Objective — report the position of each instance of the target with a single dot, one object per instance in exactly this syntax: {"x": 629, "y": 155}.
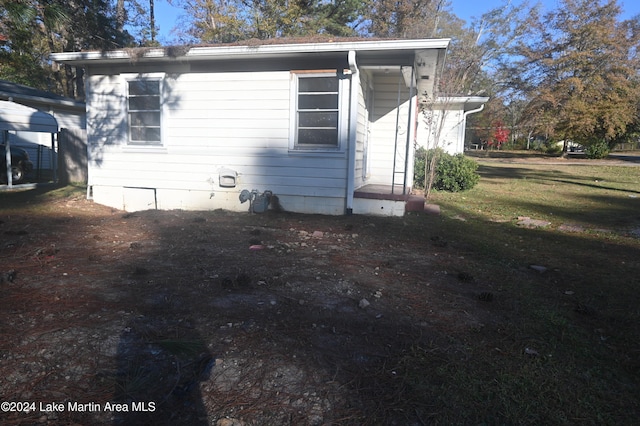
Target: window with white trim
{"x": 144, "y": 111}
{"x": 317, "y": 111}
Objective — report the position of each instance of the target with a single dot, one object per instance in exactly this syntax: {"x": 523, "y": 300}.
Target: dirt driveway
{"x": 219, "y": 318}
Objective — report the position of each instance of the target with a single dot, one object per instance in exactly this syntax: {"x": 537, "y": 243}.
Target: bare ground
{"x": 224, "y": 318}
{"x": 219, "y": 318}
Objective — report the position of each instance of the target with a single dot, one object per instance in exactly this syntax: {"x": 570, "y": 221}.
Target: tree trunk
{"x": 69, "y": 81}
{"x": 120, "y": 15}
{"x": 152, "y": 19}
{"x": 80, "y": 94}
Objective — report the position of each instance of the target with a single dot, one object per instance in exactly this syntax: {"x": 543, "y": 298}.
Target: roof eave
{"x": 229, "y": 52}
{"x": 467, "y": 102}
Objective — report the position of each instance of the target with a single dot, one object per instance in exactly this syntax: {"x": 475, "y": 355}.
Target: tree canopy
{"x": 579, "y": 72}
{"x": 222, "y": 21}
{"x": 35, "y": 28}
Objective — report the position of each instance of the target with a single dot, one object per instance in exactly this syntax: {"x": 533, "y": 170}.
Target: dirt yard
{"x": 219, "y": 318}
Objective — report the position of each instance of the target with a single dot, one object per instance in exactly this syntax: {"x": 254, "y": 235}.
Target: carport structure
{"x": 20, "y": 118}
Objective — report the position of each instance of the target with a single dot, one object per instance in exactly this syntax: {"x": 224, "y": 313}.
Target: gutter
{"x": 353, "y": 129}
{"x": 464, "y": 121}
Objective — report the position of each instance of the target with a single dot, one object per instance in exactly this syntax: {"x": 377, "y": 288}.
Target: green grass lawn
{"x": 564, "y": 345}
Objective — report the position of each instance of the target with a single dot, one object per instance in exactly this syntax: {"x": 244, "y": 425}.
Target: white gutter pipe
{"x": 409, "y": 135}
{"x": 464, "y": 121}
{"x": 353, "y": 130}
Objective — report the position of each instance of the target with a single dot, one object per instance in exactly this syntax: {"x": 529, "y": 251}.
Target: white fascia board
{"x": 225, "y": 52}
{"x": 462, "y": 99}
{"x": 463, "y": 102}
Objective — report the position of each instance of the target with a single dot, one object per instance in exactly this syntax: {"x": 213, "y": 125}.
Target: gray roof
{"x": 29, "y": 95}
{"x": 424, "y": 56}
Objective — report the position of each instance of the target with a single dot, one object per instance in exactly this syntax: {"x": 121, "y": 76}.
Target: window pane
{"x": 144, "y": 119}
{"x": 144, "y": 87}
{"x": 318, "y": 101}
{"x": 145, "y": 134}
{"x": 152, "y": 134}
{"x": 137, "y": 134}
{"x": 144, "y": 112}
{"x": 318, "y": 119}
{"x": 318, "y": 84}
{"x": 144, "y": 103}
{"x": 318, "y": 137}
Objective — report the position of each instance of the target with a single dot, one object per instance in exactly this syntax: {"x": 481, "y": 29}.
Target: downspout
{"x": 409, "y": 134}
{"x": 353, "y": 130}
{"x": 464, "y": 122}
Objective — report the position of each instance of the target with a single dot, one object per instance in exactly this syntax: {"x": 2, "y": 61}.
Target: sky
{"x": 166, "y": 15}
{"x": 466, "y": 9}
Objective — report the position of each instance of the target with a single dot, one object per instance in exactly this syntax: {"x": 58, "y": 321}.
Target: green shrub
{"x": 552, "y": 147}
{"x": 454, "y": 173}
{"x": 418, "y": 167}
{"x": 518, "y": 144}
{"x": 597, "y": 149}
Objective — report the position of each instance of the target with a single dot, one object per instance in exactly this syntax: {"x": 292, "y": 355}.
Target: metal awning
{"x": 20, "y": 118}
{"x": 16, "y": 117}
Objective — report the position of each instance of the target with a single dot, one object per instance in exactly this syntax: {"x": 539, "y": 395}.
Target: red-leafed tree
{"x": 500, "y": 134}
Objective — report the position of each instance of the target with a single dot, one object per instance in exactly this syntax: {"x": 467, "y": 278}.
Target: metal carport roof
{"x": 16, "y": 117}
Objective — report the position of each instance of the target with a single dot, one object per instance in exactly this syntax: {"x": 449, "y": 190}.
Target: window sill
{"x": 317, "y": 152}
{"x": 156, "y": 149}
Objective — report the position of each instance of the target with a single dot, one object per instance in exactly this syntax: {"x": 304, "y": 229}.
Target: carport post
{"x": 7, "y": 158}
{"x": 54, "y": 159}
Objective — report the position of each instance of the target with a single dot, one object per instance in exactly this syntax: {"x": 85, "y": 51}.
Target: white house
{"x": 326, "y": 127}
{"x": 443, "y": 123}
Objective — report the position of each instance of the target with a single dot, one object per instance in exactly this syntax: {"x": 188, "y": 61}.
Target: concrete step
{"x": 415, "y": 203}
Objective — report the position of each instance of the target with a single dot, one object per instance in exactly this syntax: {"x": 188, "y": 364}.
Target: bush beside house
{"x": 454, "y": 173}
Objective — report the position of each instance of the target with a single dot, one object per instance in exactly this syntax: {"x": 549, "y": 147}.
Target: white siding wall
{"x": 449, "y": 125}
{"x": 233, "y": 120}
{"x": 384, "y": 122}
{"x": 69, "y": 119}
